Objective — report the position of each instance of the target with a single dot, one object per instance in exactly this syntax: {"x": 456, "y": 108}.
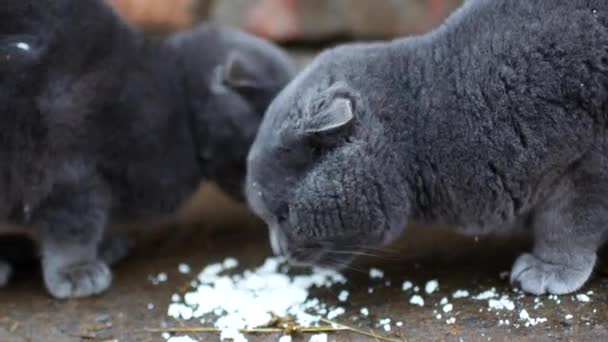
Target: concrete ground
{"x": 134, "y": 303}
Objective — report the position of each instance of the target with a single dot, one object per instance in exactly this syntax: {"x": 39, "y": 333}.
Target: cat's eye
{"x": 20, "y": 49}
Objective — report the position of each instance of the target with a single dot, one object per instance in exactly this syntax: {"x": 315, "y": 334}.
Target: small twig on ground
{"x": 361, "y": 332}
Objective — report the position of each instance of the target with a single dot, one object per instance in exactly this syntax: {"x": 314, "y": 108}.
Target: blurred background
{"x": 294, "y": 21}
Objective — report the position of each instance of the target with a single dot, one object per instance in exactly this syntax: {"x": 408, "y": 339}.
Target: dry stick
{"x": 302, "y": 330}
{"x": 361, "y": 332}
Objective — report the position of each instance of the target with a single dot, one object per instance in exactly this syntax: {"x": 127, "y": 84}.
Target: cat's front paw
{"x": 538, "y": 277}
{"x": 6, "y": 270}
{"x": 79, "y": 280}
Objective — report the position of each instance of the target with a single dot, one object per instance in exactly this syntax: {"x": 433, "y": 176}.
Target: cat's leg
{"x": 6, "y": 270}
{"x": 114, "y": 249}
{"x": 568, "y": 231}
{"x": 71, "y": 224}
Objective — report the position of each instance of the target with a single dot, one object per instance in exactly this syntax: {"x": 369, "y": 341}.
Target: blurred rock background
{"x": 293, "y": 21}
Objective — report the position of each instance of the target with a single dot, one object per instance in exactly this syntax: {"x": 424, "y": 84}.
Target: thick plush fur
{"x": 101, "y": 125}
{"x": 495, "y": 120}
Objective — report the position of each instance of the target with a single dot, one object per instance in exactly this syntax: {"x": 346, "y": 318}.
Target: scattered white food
{"x": 486, "y": 294}
{"x": 443, "y": 301}
{"x": 501, "y": 304}
{"x": 318, "y": 338}
{"x": 249, "y": 299}
{"x": 460, "y": 294}
{"x": 417, "y": 300}
{"x": 335, "y": 313}
{"x": 407, "y": 285}
{"x": 285, "y": 338}
{"x": 568, "y": 317}
{"x": 376, "y": 273}
{"x": 183, "y": 268}
{"x": 159, "y": 278}
{"x": 399, "y": 324}
{"x": 416, "y": 289}
{"x": 583, "y": 298}
{"x": 447, "y": 308}
{"x": 233, "y": 335}
{"x": 523, "y": 314}
{"x": 364, "y": 312}
{"x": 451, "y": 320}
{"x": 343, "y": 296}
{"x": 431, "y": 286}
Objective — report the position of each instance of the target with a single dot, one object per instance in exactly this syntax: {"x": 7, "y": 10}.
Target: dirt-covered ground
{"x": 135, "y": 303}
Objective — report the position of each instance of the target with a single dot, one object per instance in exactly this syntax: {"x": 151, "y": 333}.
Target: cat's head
{"x": 232, "y": 78}
{"x": 318, "y": 172}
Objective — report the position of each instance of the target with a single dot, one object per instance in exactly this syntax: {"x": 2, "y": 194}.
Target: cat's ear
{"x": 236, "y": 72}
{"x": 336, "y": 115}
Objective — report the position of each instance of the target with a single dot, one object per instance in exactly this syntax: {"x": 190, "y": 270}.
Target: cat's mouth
{"x": 321, "y": 254}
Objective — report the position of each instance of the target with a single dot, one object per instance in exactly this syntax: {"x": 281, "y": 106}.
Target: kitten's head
{"x": 317, "y": 171}
{"x": 233, "y": 76}
{"x": 38, "y": 37}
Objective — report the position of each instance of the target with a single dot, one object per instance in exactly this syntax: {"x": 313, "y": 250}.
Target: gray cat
{"x": 102, "y": 125}
{"x": 496, "y": 119}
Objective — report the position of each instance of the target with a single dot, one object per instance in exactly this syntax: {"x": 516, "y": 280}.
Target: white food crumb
{"x": 447, "y": 308}
{"x": 370, "y": 290}
{"x": 150, "y": 306}
{"x": 486, "y": 294}
{"x": 460, "y": 294}
{"x": 166, "y": 335}
{"x": 175, "y": 298}
{"x": 406, "y": 285}
{"x": 364, "y": 311}
{"x": 384, "y": 321}
{"x": 387, "y": 327}
{"x": 568, "y": 316}
{"x": 431, "y": 286}
{"x": 443, "y": 301}
{"x": 318, "y": 338}
{"x": 417, "y": 300}
{"x": 285, "y": 338}
{"x": 451, "y": 320}
{"x": 439, "y": 316}
{"x": 232, "y": 334}
{"x": 335, "y": 313}
{"x": 230, "y": 263}
{"x": 416, "y": 289}
{"x": 183, "y": 268}
{"x": 501, "y": 304}
{"x": 399, "y": 324}
{"x": 523, "y": 314}
{"x": 583, "y": 298}
{"x": 375, "y": 273}
{"x": 343, "y": 296}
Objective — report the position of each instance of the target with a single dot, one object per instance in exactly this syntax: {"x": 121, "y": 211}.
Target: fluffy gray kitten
{"x": 495, "y": 120}
{"x": 102, "y": 125}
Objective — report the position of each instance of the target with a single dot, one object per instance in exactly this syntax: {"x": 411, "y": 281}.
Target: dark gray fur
{"x": 496, "y": 119}
{"x": 101, "y": 125}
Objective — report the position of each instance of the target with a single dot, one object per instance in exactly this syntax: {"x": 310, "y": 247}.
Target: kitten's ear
{"x": 237, "y": 72}
{"x": 337, "y": 114}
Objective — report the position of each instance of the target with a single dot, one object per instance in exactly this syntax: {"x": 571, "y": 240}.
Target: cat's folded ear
{"x": 336, "y": 115}
{"x": 236, "y": 73}
{"x": 337, "y": 111}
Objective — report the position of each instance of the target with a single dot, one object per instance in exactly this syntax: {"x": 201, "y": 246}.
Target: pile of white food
{"x": 250, "y": 299}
